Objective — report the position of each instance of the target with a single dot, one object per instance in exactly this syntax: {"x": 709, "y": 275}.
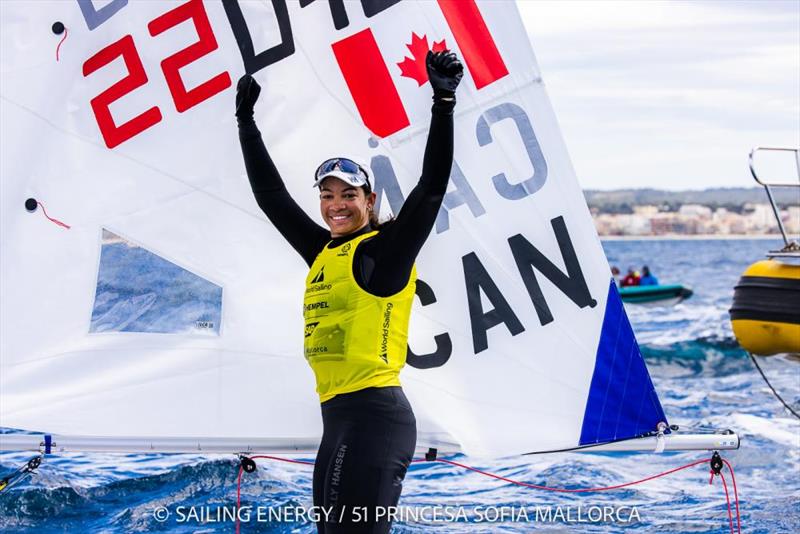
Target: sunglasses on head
{"x": 343, "y": 165}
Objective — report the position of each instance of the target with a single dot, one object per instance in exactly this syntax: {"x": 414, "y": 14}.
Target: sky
{"x": 671, "y": 95}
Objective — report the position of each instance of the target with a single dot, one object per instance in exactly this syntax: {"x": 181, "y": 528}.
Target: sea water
{"x": 703, "y": 378}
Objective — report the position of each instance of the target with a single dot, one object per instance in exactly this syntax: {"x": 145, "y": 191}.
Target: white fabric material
{"x": 179, "y": 189}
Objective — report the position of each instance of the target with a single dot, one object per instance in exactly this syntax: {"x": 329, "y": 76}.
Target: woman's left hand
{"x": 444, "y": 72}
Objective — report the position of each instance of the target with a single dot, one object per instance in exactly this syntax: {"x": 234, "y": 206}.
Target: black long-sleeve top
{"x": 383, "y": 263}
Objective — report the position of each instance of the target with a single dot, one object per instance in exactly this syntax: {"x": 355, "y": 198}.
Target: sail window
{"x": 139, "y": 291}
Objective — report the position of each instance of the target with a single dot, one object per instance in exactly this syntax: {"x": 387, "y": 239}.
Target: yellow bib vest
{"x": 353, "y": 340}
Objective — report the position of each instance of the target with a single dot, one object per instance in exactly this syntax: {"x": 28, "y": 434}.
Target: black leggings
{"x": 368, "y": 440}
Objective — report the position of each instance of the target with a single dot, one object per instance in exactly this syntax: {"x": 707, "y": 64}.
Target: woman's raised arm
{"x": 302, "y": 233}
{"x": 391, "y": 255}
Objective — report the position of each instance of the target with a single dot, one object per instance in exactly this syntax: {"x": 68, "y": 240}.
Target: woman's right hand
{"x": 247, "y": 91}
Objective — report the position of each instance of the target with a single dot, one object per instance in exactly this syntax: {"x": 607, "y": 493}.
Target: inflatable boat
{"x": 662, "y": 295}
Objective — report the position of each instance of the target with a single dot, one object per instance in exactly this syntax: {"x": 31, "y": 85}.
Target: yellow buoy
{"x": 765, "y": 314}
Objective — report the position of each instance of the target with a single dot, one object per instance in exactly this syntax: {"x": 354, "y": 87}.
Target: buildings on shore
{"x": 696, "y": 219}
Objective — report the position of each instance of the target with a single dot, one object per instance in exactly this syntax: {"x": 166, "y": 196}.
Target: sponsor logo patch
{"x": 319, "y": 277}
{"x": 310, "y": 327}
{"x": 345, "y": 249}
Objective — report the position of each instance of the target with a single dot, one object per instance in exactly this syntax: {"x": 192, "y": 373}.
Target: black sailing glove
{"x": 444, "y": 73}
{"x": 247, "y": 91}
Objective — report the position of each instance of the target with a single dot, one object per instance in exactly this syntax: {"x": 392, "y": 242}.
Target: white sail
{"x": 170, "y": 307}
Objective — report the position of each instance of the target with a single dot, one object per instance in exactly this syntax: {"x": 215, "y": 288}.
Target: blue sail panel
{"x": 622, "y": 401}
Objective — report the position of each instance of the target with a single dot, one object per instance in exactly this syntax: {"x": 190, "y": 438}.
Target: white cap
{"x": 356, "y": 179}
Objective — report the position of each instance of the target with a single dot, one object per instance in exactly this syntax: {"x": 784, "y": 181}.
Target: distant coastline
{"x": 731, "y": 198}
{"x": 707, "y": 214}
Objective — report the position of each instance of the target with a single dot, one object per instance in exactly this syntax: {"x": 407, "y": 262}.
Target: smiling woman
{"x": 346, "y": 199}
{"x": 357, "y": 306}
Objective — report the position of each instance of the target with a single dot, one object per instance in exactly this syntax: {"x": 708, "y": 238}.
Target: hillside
{"x": 731, "y": 198}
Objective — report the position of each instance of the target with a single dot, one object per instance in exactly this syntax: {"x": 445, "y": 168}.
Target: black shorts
{"x": 368, "y": 441}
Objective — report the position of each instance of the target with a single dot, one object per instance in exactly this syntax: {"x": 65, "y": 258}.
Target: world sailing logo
{"x": 319, "y": 277}
{"x": 387, "y": 318}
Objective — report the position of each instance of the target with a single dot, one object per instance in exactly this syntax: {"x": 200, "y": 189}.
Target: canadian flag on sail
{"x": 366, "y": 70}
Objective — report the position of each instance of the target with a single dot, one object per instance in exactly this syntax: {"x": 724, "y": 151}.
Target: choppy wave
{"x": 712, "y": 356}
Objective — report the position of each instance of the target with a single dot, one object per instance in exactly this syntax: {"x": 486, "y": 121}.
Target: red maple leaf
{"x": 414, "y": 67}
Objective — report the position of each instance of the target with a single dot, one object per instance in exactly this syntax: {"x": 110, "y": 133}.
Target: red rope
{"x": 62, "y": 40}
{"x": 735, "y": 497}
{"x": 283, "y": 459}
{"x": 576, "y": 490}
{"x": 728, "y": 500}
{"x": 546, "y": 488}
{"x": 239, "y": 479}
{"x": 52, "y": 219}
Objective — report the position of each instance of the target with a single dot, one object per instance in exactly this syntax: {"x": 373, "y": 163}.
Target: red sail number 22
{"x": 184, "y": 99}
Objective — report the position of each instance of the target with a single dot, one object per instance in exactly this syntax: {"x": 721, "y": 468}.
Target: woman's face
{"x": 344, "y": 208}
